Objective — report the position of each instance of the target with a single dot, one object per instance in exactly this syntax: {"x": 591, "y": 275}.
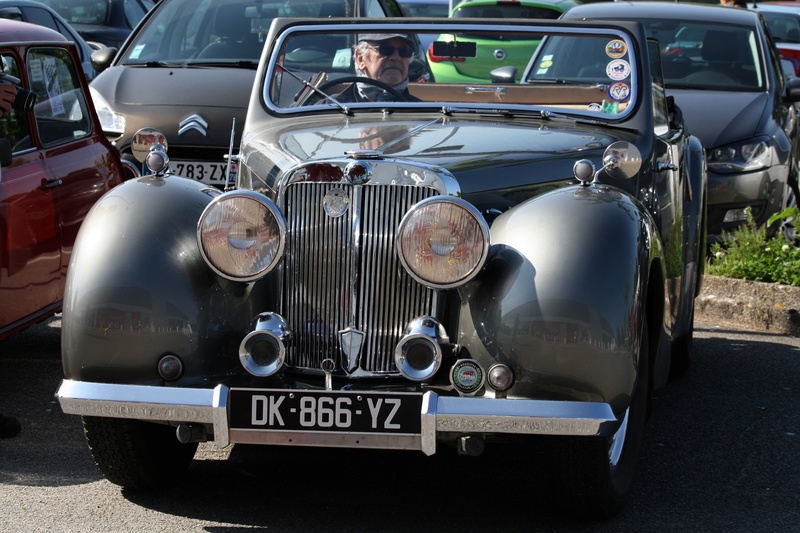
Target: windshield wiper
{"x": 535, "y": 113}
{"x": 155, "y": 64}
{"x": 312, "y": 87}
{"x": 241, "y": 63}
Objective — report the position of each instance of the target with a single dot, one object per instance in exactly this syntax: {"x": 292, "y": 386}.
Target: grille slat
{"x": 319, "y": 297}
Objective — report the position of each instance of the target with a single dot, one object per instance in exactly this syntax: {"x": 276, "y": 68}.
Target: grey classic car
{"x": 429, "y": 266}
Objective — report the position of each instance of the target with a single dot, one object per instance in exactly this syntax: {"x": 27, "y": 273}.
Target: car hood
{"x": 519, "y": 158}
{"x": 718, "y": 118}
{"x": 163, "y": 97}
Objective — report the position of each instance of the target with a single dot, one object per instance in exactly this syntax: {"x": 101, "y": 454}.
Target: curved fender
{"x": 696, "y": 227}
{"x": 562, "y": 297}
{"x": 138, "y": 288}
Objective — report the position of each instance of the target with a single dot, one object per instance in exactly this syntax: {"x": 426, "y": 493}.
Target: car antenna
{"x": 229, "y": 185}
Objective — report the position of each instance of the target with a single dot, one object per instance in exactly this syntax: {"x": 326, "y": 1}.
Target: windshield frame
{"x": 270, "y": 70}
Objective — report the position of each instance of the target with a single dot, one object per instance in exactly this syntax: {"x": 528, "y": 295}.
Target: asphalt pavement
{"x": 721, "y": 453}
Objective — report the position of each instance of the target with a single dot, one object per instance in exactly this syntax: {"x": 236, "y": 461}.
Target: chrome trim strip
{"x": 440, "y": 414}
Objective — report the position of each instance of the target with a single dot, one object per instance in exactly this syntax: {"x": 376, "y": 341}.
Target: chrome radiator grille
{"x": 344, "y": 273}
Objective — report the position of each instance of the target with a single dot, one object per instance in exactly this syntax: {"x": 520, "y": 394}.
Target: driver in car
{"x": 385, "y": 58}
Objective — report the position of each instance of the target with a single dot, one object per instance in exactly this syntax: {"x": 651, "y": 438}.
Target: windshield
{"x": 343, "y": 69}
{"x": 187, "y": 32}
{"x": 700, "y": 55}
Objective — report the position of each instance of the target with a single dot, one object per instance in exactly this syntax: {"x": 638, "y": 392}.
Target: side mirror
{"x": 504, "y": 75}
{"x": 101, "y": 59}
{"x": 792, "y": 90}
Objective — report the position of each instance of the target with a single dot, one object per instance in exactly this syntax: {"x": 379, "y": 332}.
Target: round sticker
{"x": 545, "y": 64}
{"x": 616, "y": 48}
{"x": 619, "y": 91}
{"x": 618, "y": 69}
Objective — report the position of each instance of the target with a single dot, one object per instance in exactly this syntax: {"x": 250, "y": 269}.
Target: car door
{"x": 30, "y": 236}
{"x": 60, "y": 166}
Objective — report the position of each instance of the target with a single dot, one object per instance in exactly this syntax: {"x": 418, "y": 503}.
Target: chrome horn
{"x": 418, "y": 355}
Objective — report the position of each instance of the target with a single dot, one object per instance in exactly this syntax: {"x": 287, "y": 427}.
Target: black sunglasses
{"x": 388, "y": 50}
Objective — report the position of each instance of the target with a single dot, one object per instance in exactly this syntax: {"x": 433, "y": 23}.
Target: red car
{"x": 55, "y": 164}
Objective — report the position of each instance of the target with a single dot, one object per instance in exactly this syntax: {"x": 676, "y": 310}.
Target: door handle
{"x": 50, "y": 184}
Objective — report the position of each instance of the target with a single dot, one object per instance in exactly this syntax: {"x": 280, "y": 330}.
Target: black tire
{"x": 589, "y": 483}
{"x": 681, "y": 357}
{"x": 137, "y": 455}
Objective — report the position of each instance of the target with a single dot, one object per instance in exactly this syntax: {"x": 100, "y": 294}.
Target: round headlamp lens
{"x": 241, "y": 235}
{"x": 443, "y": 242}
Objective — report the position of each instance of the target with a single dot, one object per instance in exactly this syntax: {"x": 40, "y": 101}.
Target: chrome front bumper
{"x": 439, "y": 414}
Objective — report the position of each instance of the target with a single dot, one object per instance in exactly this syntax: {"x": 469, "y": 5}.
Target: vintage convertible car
{"x": 486, "y": 264}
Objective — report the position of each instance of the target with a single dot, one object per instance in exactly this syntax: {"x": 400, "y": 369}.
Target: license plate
{"x": 326, "y": 411}
{"x": 210, "y": 173}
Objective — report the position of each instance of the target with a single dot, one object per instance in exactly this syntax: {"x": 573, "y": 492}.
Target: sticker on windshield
{"x": 53, "y": 86}
{"x": 545, "y": 64}
{"x": 618, "y": 69}
{"x": 616, "y": 49}
{"x": 619, "y": 91}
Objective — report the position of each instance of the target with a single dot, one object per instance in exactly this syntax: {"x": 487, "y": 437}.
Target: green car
{"x": 485, "y": 55}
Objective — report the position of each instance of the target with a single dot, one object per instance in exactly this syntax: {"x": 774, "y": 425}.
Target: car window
{"x": 660, "y": 112}
{"x": 14, "y": 124}
{"x": 80, "y": 11}
{"x": 37, "y": 15}
{"x": 185, "y": 32}
{"x": 785, "y": 27}
{"x": 135, "y": 10}
{"x": 61, "y": 112}
{"x": 506, "y": 10}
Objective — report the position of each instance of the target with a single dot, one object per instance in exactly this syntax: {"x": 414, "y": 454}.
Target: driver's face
{"x": 388, "y": 69}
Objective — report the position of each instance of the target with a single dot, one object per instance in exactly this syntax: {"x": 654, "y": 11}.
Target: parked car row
{"x": 722, "y": 67}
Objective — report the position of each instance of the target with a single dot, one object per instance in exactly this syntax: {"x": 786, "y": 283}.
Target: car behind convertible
{"x": 486, "y": 264}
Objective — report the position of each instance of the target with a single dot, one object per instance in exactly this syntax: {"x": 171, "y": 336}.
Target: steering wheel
{"x": 361, "y": 79}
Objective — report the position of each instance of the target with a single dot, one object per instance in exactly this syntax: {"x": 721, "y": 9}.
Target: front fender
{"x": 562, "y": 299}
{"x": 138, "y": 288}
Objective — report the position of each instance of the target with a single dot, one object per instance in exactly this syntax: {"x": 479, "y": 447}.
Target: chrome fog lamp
{"x": 443, "y": 242}
{"x": 241, "y": 235}
{"x": 263, "y": 350}
{"x": 501, "y": 377}
{"x": 418, "y": 355}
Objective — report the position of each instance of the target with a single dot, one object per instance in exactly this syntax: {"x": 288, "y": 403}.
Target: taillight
{"x": 438, "y": 59}
{"x": 793, "y": 56}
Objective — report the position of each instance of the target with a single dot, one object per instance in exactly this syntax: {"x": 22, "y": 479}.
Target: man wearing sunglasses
{"x": 382, "y": 57}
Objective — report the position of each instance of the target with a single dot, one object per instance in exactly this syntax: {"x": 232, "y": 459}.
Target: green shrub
{"x": 748, "y": 253}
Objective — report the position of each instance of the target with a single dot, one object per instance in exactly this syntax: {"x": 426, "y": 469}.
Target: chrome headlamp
{"x": 241, "y": 235}
{"x": 443, "y": 242}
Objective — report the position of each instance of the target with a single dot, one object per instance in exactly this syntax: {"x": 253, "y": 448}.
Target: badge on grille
{"x": 351, "y": 341}
{"x": 335, "y": 202}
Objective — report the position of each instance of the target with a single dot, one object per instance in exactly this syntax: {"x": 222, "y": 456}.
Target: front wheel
{"x": 136, "y": 454}
{"x": 593, "y": 476}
